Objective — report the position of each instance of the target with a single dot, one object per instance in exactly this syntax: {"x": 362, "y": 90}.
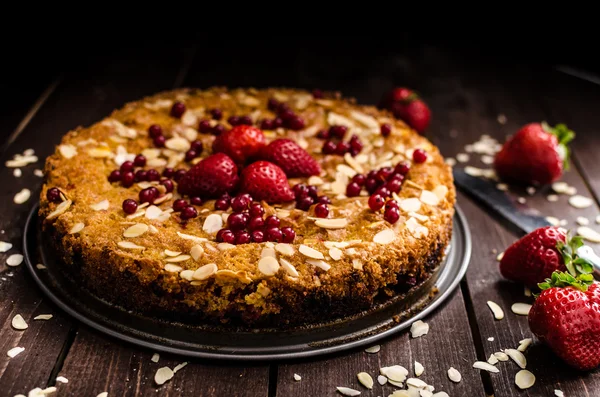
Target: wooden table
{"x": 466, "y": 95}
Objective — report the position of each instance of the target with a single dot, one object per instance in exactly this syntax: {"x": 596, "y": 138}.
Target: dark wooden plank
{"x": 80, "y": 100}
{"x": 448, "y": 344}
{"x": 469, "y": 105}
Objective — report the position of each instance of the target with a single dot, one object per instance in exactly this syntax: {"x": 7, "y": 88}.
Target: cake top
{"x": 244, "y": 183}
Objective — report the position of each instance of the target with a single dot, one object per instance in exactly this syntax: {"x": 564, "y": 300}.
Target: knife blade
{"x": 485, "y": 191}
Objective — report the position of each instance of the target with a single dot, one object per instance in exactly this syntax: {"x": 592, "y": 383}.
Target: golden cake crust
{"x": 179, "y": 270}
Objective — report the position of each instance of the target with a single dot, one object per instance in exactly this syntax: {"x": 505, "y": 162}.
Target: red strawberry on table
{"x": 291, "y": 158}
{"x": 266, "y": 181}
{"x": 406, "y": 105}
{"x": 241, "y": 143}
{"x": 537, "y": 154}
{"x": 566, "y": 316}
{"x": 210, "y": 178}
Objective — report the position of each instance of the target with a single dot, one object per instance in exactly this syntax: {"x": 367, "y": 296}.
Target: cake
{"x": 247, "y": 207}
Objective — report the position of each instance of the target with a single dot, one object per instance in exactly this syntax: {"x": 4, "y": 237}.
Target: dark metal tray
{"x": 363, "y": 329}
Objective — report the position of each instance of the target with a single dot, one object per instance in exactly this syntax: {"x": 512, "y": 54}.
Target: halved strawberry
{"x": 210, "y": 178}
{"x": 266, "y": 181}
{"x": 241, "y": 143}
{"x": 291, "y": 158}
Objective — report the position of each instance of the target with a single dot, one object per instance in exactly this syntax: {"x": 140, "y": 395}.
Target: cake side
{"x": 179, "y": 267}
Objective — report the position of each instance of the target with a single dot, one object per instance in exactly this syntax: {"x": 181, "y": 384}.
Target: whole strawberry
{"x": 406, "y": 105}
{"x": 210, "y": 178}
{"x": 241, "y": 143}
{"x": 291, "y": 158}
{"x": 266, "y": 181}
{"x": 566, "y": 316}
{"x": 534, "y": 257}
{"x": 536, "y": 155}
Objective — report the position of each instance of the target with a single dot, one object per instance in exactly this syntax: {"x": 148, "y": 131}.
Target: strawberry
{"x": 210, "y": 178}
{"x": 266, "y": 181}
{"x": 536, "y": 155}
{"x": 241, "y": 143}
{"x": 406, "y": 105}
{"x": 566, "y": 316}
{"x": 291, "y": 158}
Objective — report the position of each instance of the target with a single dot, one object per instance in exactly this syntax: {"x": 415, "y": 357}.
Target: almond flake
{"x": 485, "y": 366}
{"x": 100, "y": 152}
{"x": 187, "y": 275}
{"x": 462, "y": 157}
{"x": 310, "y": 252}
{"x": 473, "y": 171}
{"x": 12, "y": 353}
{"x": 355, "y": 165}
{"x": 196, "y": 251}
{"x": 419, "y": 328}
{"x": 43, "y": 317}
{"x": 521, "y": 309}
{"x": 157, "y": 163}
{"x": 268, "y": 251}
{"x": 527, "y": 292}
{"x": 335, "y": 253}
{"x": 172, "y": 253}
{"x": 319, "y": 263}
{"x": 62, "y": 379}
{"x": 129, "y": 245}
{"x": 396, "y": 373}
{"x": 22, "y": 196}
{"x": 335, "y": 223}
{"x": 560, "y": 187}
{"x": 440, "y": 191}
{"x": 285, "y": 249}
{"x": 268, "y": 266}
{"x": 204, "y": 272}
{"x": 501, "y": 356}
{"x": 419, "y": 369}
{"x": 14, "y": 260}
{"x": 382, "y": 380}
{"x": 416, "y": 383}
{"x": 136, "y": 214}
{"x": 497, "y": 310}
{"x": 429, "y": 198}
{"x": 315, "y": 180}
{"x": 559, "y": 393}
{"x": 588, "y": 234}
{"x": 357, "y": 264}
{"x": 189, "y": 118}
{"x": 373, "y": 349}
{"x": 60, "y": 209}
{"x": 454, "y": 375}
{"x": 39, "y": 266}
{"x": 289, "y": 268}
{"x": 77, "y": 228}
{"x": 67, "y": 151}
{"x": 179, "y": 367}
{"x": 297, "y": 378}
{"x": 410, "y": 205}
{"x": 179, "y": 258}
{"x": 524, "y": 379}
{"x": 524, "y": 344}
{"x": 493, "y": 359}
{"x": 338, "y": 119}
{"x": 212, "y": 224}
{"x": 366, "y": 120}
{"x": 18, "y": 322}
{"x": 169, "y": 267}
{"x": 136, "y": 230}
{"x": 178, "y": 144}
{"x": 101, "y": 206}
{"x": 163, "y": 198}
{"x": 517, "y": 357}
{"x": 192, "y": 238}
{"x": 582, "y": 221}
{"x": 500, "y": 256}
{"x": 225, "y": 246}
{"x": 155, "y": 358}
{"x": 422, "y": 218}
{"x": 162, "y": 375}
{"x": 502, "y": 186}
{"x": 384, "y": 237}
{"x": 344, "y": 169}
{"x": 4, "y": 246}
{"x": 346, "y": 391}
{"x": 365, "y": 379}
{"x": 579, "y": 201}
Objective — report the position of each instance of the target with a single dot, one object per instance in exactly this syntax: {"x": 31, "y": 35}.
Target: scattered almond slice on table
{"x": 4, "y": 246}
{"x": 418, "y": 329}
{"x": 517, "y": 357}
{"x": 373, "y": 349}
{"x": 346, "y": 391}
{"x": 521, "y": 309}
{"x": 365, "y": 379}
{"x": 162, "y": 375}
{"x": 496, "y": 310}
{"x": 297, "y": 377}
{"x": 18, "y": 322}
{"x": 14, "y": 260}
{"x": 454, "y": 375}
{"x": 486, "y": 366}
{"x": 524, "y": 379}
{"x": 22, "y": 196}
{"x": 12, "y": 353}
{"x": 43, "y": 317}
{"x": 580, "y": 202}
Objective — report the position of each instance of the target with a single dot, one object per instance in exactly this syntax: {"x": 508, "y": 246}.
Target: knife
{"x": 526, "y": 219}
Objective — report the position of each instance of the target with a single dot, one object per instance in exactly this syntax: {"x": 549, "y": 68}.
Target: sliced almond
{"x": 429, "y": 198}
{"x": 191, "y": 237}
{"x": 268, "y": 266}
{"x": 136, "y": 230}
{"x": 172, "y": 253}
{"x": 319, "y": 263}
{"x": 178, "y": 144}
{"x": 492, "y": 359}
{"x": 332, "y": 223}
{"x": 18, "y": 322}
{"x": 501, "y": 356}
{"x": 365, "y": 379}
{"x": 162, "y": 375}
{"x": 67, "y": 151}
{"x": 373, "y": 349}
{"x": 196, "y": 252}
{"x": 579, "y": 201}
{"x": 100, "y": 206}
{"x": 315, "y": 180}
{"x": 521, "y": 309}
{"x": 178, "y": 258}
{"x": 485, "y": 366}
{"x": 454, "y": 375}
{"x": 268, "y": 251}
{"x": 225, "y": 246}
{"x": 60, "y": 209}
{"x": 346, "y": 391}
{"x": 517, "y": 357}
{"x": 129, "y": 245}
{"x": 288, "y": 267}
{"x": 179, "y": 367}
{"x": 22, "y": 196}
{"x": 588, "y": 234}
{"x": 382, "y": 380}
{"x": 496, "y": 309}
{"x": 310, "y": 252}
{"x": 346, "y": 170}
{"x": 524, "y": 379}
{"x": 187, "y": 275}
{"x": 285, "y": 249}
{"x": 385, "y": 236}
{"x": 204, "y": 272}
{"x": 419, "y": 369}
{"x": 524, "y": 344}
{"x": 212, "y": 224}
{"x": 43, "y": 317}
{"x": 355, "y": 165}
{"x": 419, "y": 328}
{"x": 335, "y": 253}
{"x": 410, "y": 205}
{"x": 396, "y": 373}
{"x": 357, "y": 264}
{"x": 4, "y": 246}
{"x": 77, "y": 228}
{"x": 173, "y": 268}
{"x": 14, "y": 260}
{"x": 15, "y": 351}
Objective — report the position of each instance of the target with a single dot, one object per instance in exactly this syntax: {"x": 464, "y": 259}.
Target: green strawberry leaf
{"x": 573, "y": 263}
{"x": 564, "y": 135}
{"x": 562, "y": 280}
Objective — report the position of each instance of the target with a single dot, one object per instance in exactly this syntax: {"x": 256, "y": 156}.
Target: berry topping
{"x": 359, "y": 179}
{"x": 323, "y": 134}
{"x": 273, "y": 104}
{"x": 353, "y": 189}
{"x": 371, "y": 185}
{"x": 155, "y": 130}
{"x": 277, "y": 122}
{"x": 419, "y": 156}
{"x": 386, "y": 129}
{"x": 355, "y": 145}
{"x": 126, "y": 166}
{"x": 394, "y": 185}
{"x": 53, "y": 195}
{"x": 237, "y": 221}
{"x": 168, "y": 172}
{"x": 168, "y": 184}
{"x": 179, "y": 205}
{"x": 205, "y": 127}
{"x": 159, "y": 141}
{"x": 304, "y": 203}
{"x": 376, "y": 202}
{"x": 342, "y": 148}
{"x": 179, "y": 174}
{"x": 239, "y": 203}
{"x": 256, "y": 210}
{"x": 256, "y": 223}
{"x": 210, "y": 178}
{"x": 240, "y": 143}
{"x": 321, "y": 210}
{"x": 152, "y": 175}
{"x": 218, "y": 129}
{"x": 190, "y": 155}
{"x": 222, "y": 204}
{"x": 225, "y": 236}
{"x": 178, "y": 109}
{"x": 242, "y": 238}
{"x": 300, "y": 190}
{"x": 383, "y": 191}
{"x": 148, "y": 195}
{"x": 323, "y": 200}
{"x": 196, "y": 200}
{"x": 391, "y": 204}
{"x": 317, "y": 94}
{"x": 129, "y": 206}
{"x": 139, "y": 161}
{"x": 312, "y": 191}
{"x": 217, "y": 114}
{"x": 402, "y": 168}
{"x": 272, "y": 221}
{"x": 338, "y": 131}
{"x": 127, "y": 179}
{"x": 295, "y": 123}
{"x": 329, "y": 147}
{"x": 115, "y": 176}
{"x": 383, "y": 174}
{"x": 245, "y": 120}
{"x": 258, "y": 236}
{"x": 189, "y": 212}
{"x": 141, "y": 176}
{"x": 288, "y": 234}
{"x": 391, "y": 214}
{"x": 266, "y": 181}
{"x": 291, "y": 158}
{"x": 233, "y": 120}
{"x": 197, "y": 146}
{"x": 267, "y": 124}
{"x": 274, "y": 234}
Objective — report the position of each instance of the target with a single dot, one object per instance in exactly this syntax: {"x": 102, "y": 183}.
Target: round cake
{"x": 261, "y": 208}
